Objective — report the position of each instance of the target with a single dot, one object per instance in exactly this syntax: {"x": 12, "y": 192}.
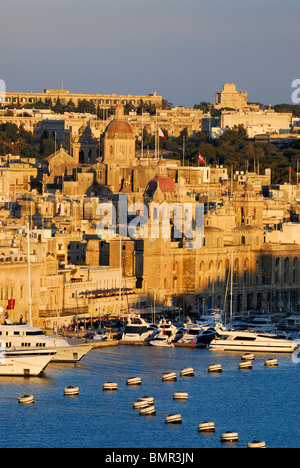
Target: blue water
{"x": 261, "y": 403}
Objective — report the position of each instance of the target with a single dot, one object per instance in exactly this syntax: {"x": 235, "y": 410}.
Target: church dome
{"x": 119, "y": 124}
{"x": 164, "y": 183}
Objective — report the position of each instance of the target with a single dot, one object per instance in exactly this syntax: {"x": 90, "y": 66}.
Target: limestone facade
{"x": 231, "y": 98}
{"x": 64, "y": 95}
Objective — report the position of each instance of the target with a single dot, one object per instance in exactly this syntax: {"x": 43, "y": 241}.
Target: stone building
{"x": 102, "y": 100}
{"x": 229, "y": 97}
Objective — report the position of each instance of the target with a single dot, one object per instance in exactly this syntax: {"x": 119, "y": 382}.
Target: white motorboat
{"x": 212, "y": 319}
{"x": 166, "y": 334}
{"x": 239, "y": 340}
{"x": 23, "y": 336}
{"x": 26, "y": 363}
{"x": 253, "y": 323}
{"x": 137, "y": 329}
{"x": 293, "y": 322}
{"x": 190, "y": 332}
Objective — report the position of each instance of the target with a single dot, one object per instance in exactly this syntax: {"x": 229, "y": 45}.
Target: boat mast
{"x": 29, "y": 276}
{"x": 231, "y": 285}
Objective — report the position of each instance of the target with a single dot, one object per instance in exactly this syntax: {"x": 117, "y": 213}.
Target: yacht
{"x": 190, "y": 332}
{"x": 293, "y": 322}
{"x": 193, "y": 333}
{"x": 22, "y": 336}
{"x": 166, "y": 334}
{"x": 26, "y": 362}
{"x": 239, "y": 340}
{"x": 137, "y": 329}
{"x": 211, "y": 319}
{"x": 257, "y": 324}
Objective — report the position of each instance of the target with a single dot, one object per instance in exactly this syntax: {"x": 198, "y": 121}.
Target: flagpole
{"x": 156, "y": 133}
{"x": 142, "y": 152}
{"x": 29, "y": 276}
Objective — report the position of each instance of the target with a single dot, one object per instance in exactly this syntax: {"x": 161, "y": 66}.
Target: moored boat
{"x": 137, "y": 330}
{"x": 165, "y": 334}
{"x": 21, "y": 336}
{"x": 237, "y": 340}
{"x": 28, "y": 363}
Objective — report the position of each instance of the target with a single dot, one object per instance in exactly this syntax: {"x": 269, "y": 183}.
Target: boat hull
{"x": 252, "y": 347}
{"x": 161, "y": 344}
{"x": 71, "y": 353}
{"x": 26, "y": 364}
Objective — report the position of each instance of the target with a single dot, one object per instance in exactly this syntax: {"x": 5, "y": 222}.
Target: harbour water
{"x": 261, "y": 403}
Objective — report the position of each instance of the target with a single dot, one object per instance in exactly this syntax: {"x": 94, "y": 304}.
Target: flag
{"x": 201, "y": 159}
{"x": 161, "y": 134}
{"x": 11, "y": 304}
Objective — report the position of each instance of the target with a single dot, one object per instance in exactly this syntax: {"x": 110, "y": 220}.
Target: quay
{"x": 108, "y": 343}
{"x": 95, "y": 343}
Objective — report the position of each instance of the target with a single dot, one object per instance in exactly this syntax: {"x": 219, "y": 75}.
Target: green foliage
{"x": 236, "y": 152}
{"x": 13, "y": 139}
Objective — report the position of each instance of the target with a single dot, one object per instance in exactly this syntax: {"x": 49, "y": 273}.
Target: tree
{"x": 58, "y": 108}
{"x": 47, "y": 145}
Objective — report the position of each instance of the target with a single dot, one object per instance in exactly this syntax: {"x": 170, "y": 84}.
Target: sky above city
{"x": 185, "y": 50}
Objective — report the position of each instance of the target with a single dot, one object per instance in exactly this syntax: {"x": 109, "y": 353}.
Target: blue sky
{"x": 183, "y": 49}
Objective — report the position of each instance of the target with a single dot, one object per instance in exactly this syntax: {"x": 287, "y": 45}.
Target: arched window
{"x": 243, "y": 240}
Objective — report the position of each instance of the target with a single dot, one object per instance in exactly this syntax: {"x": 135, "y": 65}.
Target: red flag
{"x": 201, "y": 159}
{"x": 161, "y": 134}
{"x": 11, "y": 304}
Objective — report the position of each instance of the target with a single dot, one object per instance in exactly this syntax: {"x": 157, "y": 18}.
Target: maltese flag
{"x": 201, "y": 159}
{"x": 161, "y": 134}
